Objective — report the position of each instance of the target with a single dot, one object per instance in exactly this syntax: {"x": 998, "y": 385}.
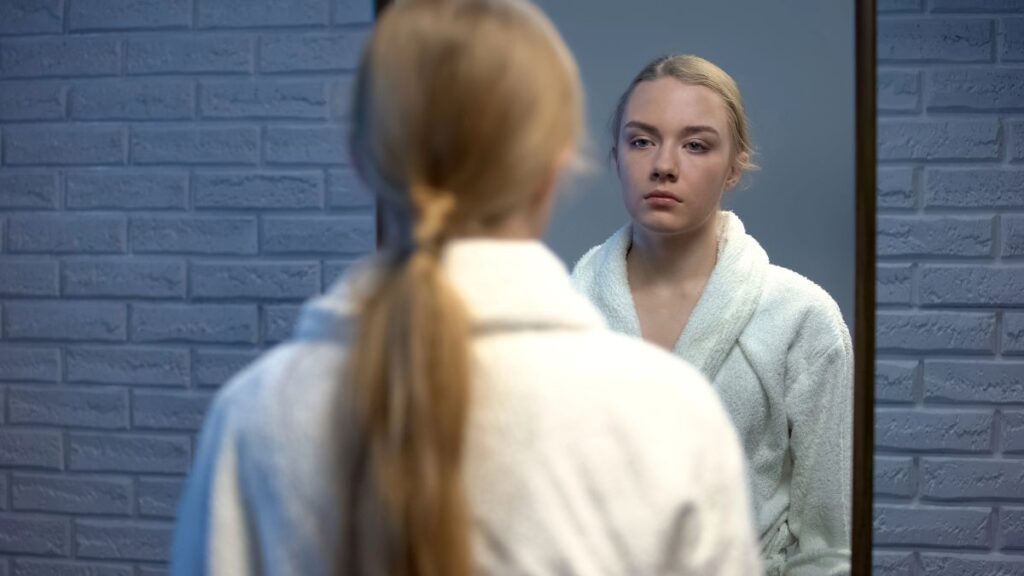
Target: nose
{"x": 665, "y": 167}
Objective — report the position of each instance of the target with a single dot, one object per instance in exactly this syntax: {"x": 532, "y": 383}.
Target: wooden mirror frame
{"x": 864, "y": 293}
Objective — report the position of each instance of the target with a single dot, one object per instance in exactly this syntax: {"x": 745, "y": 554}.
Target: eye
{"x": 640, "y": 142}
{"x": 695, "y": 146}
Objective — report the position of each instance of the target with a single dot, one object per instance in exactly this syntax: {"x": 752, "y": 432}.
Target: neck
{"x": 675, "y": 259}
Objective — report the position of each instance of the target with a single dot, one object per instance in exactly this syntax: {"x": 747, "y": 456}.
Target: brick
{"x": 63, "y": 56}
{"x": 353, "y": 11}
{"x": 914, "y": 430}
{"x": 63, "y": 144}
{"x": 31, "y": 448}
{"x": 128, "y": 365}
{"x": 100, "y": 189}
{"x": 34, "y": 567}
{"x": 159, "y": 496}
{"x": 24, "y": 364}
{"x": 152, "y": 571}
{"x": 71, "y": 494}
{"x": 1013, "y": 333}
{"x": 241, "y": 14}
{"x": 938, "y": 140}
{"x": 972, "y": 285}
{"x": 20, "y": 534}
{"x": 341, "y": 97}
{"x": 271, "y": 280}
{"x": 132, "y": 100}
{"x": 279, "y": 322}
{"x": 278, "y": 190}
{"x": 19, "y": 277}
{"x": 895, "y": 477}
{"x": 1013, "y": 40}
{"x": 124, "y": 278}
{"x": 121, "y": 14}
{"x": 960, "y": 527}
{"x": 68, "y": 407}
{"x": 935, "y": 331}
{"x": 65, "y": 321}
{"x": 1012, "y": 235}
{"x": 319, "y": 234}
{"x": 946, "y": 565}
{"x": 117, "y": 540}
{"x": 169, "y": 410}
{"x": 32, "y": 100}
{"x": 895, "y": 188}
{"x": 66, "y": 234}
{"x": 346, "y": 190}
{"x": 973, "y": 381}
{"x": 28, "y": 191}
{"x": 205, "y": 145}
{"x": 898, "y": 91}
{"x": 306, "y": 145}
{"x": 1013, "y": 432}
{"x": 974, "y": 188}
{"x": 264, "y": 99}
{"x": 892, "y": 563}
{"x": 935, "y": 236}
{"x": 312, "y": 52}
{"x": 215, "y": 367}
{"x": 333, "y": 271}
{"x": 31, "y": 17}
{"x": 894, "y": 380}
{"x": 188, "y": 54}
{"x": 960, "y": 479}
{"x": 222, "y": 323}
{"x": 894, "y": 284}
{"x": 977, "y": 5}
{"x": 194, "y": 234}
{"x": 979, "y": 90}
{"x": 1011, "y": 525}
{"x": 935, "y": 40}
{"x": 1017, "y": 147}
{"x": 121, "y": 453}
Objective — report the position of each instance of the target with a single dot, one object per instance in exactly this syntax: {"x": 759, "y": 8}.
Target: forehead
{"x": 668, "y": 104}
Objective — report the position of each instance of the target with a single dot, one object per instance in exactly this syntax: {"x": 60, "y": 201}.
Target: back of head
{"x": 461, "y": 110}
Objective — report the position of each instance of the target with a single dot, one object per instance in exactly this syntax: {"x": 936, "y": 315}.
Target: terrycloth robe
{"x": 584, "y": 453}
{"x": 775, "y": 346}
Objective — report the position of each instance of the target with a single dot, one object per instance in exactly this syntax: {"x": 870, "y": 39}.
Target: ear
{"x": 736, "y": 170}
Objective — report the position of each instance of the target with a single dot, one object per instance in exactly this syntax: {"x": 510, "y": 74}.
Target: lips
{"x": 662, "y": 195}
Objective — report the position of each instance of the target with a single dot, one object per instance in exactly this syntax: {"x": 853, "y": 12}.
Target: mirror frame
{"x": 864, "y": 291}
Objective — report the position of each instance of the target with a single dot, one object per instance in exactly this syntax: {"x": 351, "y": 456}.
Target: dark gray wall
{"x": 794, "y": 63}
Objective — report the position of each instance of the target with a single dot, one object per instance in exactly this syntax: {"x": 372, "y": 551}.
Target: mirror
{"x": 794, "y": 64}
{"x": 805, "y": 70}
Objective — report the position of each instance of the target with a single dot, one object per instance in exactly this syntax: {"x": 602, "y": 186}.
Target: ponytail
{"x": 409, "y": 382}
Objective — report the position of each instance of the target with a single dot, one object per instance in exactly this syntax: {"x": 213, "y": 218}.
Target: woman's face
{"x": 674, "y": 156}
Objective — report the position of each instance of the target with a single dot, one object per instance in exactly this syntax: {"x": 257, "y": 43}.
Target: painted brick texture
{"x": 949, "y": 376}
{"x": 174, "y": 183}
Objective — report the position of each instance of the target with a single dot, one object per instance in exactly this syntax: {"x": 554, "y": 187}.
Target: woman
{"x": 684, "y": 275}
{"x": 454, "y": 406}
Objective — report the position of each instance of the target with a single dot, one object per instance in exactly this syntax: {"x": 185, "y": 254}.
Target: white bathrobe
{"x": 588, "y": 452}
{"x": 776, "y": 348}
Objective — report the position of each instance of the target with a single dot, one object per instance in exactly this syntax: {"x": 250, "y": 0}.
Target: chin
{"x": 662, "y": 223}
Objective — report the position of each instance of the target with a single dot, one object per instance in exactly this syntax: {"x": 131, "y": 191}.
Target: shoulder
{"x": 809, "y": 312}
{"x": 271, "y": 397}
{"x": 590, "y": 264}
{"x": 647, "y": 393}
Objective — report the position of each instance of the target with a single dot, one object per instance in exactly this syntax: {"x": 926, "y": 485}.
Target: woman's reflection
{"x": 685, "y": 275}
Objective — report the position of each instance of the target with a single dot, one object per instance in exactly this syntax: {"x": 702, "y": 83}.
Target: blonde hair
{"x": 696, "y": 71}
{"x": 461, "y": 109}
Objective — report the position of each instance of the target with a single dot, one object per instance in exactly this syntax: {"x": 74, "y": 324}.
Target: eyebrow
{"x": 689, "y": 130}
